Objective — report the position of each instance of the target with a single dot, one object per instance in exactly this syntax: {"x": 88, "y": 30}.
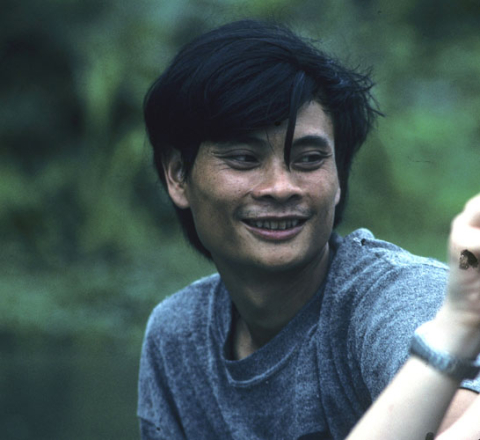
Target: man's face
{"x": 251, "y": 211}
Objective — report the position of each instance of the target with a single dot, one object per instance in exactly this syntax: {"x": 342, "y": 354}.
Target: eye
{"x": 309, "y": 161}
{"x": 241, "y": 161}
{"x": 243, "y": 158}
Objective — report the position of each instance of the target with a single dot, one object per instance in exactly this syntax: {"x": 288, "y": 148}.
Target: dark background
{"x": 89, "y": 243}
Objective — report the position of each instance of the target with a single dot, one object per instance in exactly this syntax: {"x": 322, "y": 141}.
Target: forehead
{"x": 313, "y": 127}
{"x": 312, "y": 119}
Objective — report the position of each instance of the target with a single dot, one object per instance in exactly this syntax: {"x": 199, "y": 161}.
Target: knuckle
{"x": 456, "y": 222}
{"x": 473, "y": 205}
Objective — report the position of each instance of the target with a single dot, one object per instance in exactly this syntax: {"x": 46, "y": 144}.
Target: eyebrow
{"x": 314, "y": 140}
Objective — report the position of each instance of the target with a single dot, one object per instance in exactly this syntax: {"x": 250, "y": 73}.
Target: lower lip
{"x": 275, "y": 234}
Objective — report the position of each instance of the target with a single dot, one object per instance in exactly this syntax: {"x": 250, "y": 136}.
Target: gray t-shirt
{"x": 315, "y": 379}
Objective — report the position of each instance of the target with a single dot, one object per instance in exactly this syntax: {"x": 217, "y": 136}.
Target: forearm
{"x": 415, "y": 403}
{"x": 408, "y": 408}
{"x": 467, "y": 427}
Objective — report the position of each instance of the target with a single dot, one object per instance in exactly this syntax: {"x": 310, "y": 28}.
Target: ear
{"x": 338, "y": 195}
{"x": 175, "y": 178}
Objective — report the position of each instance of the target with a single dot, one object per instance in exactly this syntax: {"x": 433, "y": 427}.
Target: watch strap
{"x": 455, "y": 367}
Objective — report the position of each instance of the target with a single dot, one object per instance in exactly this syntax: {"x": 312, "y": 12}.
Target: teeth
{"x": 274, "y": 225}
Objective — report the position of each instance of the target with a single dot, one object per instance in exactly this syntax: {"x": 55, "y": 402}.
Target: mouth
{"x": 275, "y": 225}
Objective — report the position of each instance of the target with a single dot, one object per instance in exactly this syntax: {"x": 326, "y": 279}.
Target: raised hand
{"x": 463, "y": 295}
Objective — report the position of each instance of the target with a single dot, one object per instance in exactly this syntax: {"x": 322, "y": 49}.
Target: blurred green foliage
{"x": 89, "y": 241}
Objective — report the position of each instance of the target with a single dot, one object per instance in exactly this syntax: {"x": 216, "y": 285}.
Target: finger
{"x": 472, "y": 211}
{"x": 467, "y": 238}
{"x": 464, "y": 243}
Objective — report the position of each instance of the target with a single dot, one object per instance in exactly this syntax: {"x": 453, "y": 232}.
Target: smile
{"x": 274, "y": 225}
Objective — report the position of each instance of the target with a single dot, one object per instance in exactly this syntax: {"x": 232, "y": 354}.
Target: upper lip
{"x": 275, "y": 223}
{"x": 276, "y": 218}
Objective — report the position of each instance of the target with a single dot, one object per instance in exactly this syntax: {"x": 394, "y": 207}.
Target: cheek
{"x": 211, "y": 209}
{"x": 324, "y": 189}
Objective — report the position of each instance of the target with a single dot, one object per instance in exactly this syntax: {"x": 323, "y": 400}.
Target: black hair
{"x": 245, "y": 76}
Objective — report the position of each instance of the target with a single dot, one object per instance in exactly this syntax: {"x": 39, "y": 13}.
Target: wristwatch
{"x": 457, "y": 368}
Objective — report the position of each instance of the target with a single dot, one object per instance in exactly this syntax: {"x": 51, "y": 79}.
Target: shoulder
{"x": 178, "y": 315}
{"x": 377, "y": 288}
{"x": 362, "y": 259}
{"x": 376, "y": 295}
{"x": 374, "y": 279}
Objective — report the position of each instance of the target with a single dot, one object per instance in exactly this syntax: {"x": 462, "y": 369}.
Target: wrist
{"x": 447, "y": 334}
{"x": 432, "y": 348}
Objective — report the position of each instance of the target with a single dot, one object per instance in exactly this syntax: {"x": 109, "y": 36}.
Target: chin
{"x": 282, "y": 263}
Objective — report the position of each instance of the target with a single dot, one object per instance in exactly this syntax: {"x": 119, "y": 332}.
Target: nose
{"x": 278, "y": 183}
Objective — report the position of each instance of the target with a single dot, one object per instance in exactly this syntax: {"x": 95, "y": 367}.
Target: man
{"x": 254, "y": 132}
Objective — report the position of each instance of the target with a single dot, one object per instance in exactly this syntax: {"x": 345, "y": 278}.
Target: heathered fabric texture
{"x": 315, "y": 379}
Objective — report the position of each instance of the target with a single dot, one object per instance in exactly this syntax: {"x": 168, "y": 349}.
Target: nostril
{"x": 279, "y": 186}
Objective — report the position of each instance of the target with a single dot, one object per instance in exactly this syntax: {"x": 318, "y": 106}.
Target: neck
{"x": 267, "y": 301}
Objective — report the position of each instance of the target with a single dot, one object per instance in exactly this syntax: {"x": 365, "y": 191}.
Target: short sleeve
{"x": 396, "y": 304}
{"x": 399, "y": 302}
{"x": 148, "y": 431}
{"x": 156, "y": 410}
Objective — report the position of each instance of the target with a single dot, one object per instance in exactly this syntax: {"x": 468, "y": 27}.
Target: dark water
{"x": 67, "y": 394}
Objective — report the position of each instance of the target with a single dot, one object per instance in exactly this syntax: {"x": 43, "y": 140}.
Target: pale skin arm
{"x": 462, "y": 400}
{"x": 416, "y": 401}
{"x": 464, "y": 422}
